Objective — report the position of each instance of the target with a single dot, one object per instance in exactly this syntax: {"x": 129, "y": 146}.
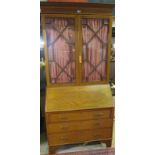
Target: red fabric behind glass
{"x": 95, "y": 45}
{"x": 61, "y": 49}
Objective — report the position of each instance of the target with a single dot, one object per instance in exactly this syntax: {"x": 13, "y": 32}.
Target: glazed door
{"x": 77, "y": 49}
{"x": 95, "y": 44}
{"x": 59, "y": 33}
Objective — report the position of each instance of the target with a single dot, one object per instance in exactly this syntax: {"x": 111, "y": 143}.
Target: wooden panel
{"x": 79, "y": 125}
{"x": 81, "y": 136}
{"x": 78, "y": 98}
{"x": 79, "y": 115}
{"x": 65, "y": 7}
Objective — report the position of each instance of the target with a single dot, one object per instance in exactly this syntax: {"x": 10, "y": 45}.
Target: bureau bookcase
{"x": 77, "y": 44}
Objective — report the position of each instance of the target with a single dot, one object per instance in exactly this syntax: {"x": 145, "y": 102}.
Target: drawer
{"x": 80, "y": 136}
{"x": 79, "y": 115}
{"x": 79, "y": 125}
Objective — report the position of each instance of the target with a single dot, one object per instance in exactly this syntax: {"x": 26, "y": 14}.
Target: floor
{"x": 103, "y": 151}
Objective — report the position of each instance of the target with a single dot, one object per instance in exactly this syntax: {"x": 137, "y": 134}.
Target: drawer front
{"x": 79, "y": 125}
{"x": 80, "y": 136}
{"x": 79, "y": 115}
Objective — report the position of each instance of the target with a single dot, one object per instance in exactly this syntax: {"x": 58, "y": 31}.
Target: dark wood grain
{"x": 66, "y": 7}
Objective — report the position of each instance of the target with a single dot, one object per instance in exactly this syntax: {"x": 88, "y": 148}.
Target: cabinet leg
{"x": 107, "y": 142}
{"x": 52, "y": 149}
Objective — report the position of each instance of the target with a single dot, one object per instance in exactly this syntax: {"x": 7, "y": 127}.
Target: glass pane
{"x": 60, "y": 34}
{"x": 95, "y": 48}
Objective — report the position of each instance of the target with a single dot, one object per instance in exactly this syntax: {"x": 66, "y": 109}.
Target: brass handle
{"x": 80, "y": 59}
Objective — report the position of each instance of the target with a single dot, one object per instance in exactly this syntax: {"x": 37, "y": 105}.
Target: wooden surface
{"x": 79, "y": 114}
{"x": 77, "y": 136}
{"x": 109, "y": 48}
{"x": 79, "y": 125}
{"x": 78, "y": 97}
{"x": 84, "y": 115}
{"x": 70, "y": 7}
